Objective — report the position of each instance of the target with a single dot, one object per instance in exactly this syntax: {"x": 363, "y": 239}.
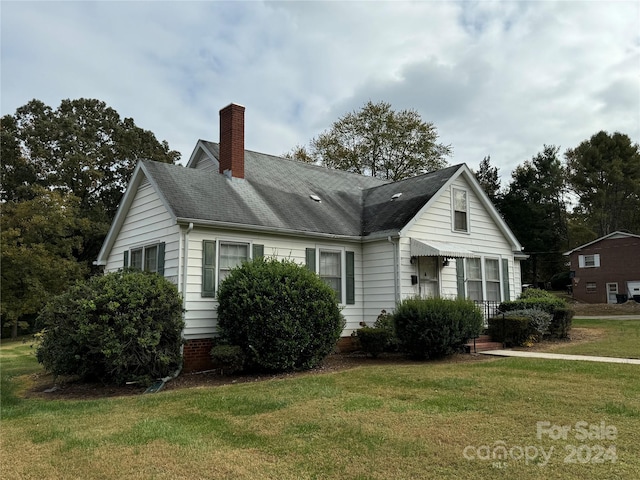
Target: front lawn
{"x": 608, "y": 337}
{"x": 482, "y": 418}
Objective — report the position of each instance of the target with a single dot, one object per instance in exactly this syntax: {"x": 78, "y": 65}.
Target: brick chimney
{"x": 232, "y": 140}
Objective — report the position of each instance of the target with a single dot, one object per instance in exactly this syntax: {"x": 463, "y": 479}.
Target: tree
{"x": 39, "y": 237}
{"x": 300, "y": 154}
{"x": 83, "y": 148}
{"x": 381, "y": 142}
{"x": 534, "y": 207}
{"x": 63, "y": 173}
{"x": 604, "y": 172}
{"x": 487, "y": 176}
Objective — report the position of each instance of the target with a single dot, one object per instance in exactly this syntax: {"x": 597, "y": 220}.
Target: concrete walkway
{"x": 559, "y": 356}
{"x": 610, "y": 317}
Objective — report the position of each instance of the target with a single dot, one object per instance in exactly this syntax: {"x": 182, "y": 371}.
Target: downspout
{"x": 159, "y": 384}
{"x": 395, "y": 268}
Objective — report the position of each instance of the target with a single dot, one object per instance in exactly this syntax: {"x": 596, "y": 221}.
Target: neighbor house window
{"x": 589, "y": 261}
{"x": 460, "y": 211}
{"x": 591, "y": 287}
{"x": 492, "y": 275}
{"x": 149, "y": 258}
{"x": 474, "y": 279}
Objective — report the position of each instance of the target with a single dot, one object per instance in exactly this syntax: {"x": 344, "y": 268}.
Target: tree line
{"x": 64, "y": 171}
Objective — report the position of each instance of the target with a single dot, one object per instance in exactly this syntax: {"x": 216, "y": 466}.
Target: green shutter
{"x": 258, "y": 251}
{"x": 208, "y": 268}
{"x": 126, "y": 259}
{"x": 161, "y": 259}
{"x": 351, "y": 279}
{"x": 460, "y": 277}
{"x": 505, "y": 280}
{"x": 311, "y": 259}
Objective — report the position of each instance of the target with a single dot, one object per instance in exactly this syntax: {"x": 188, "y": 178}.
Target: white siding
{"x": 201, "y": 311}
{"x": 203, "y": 162}
{"x": 483, "y": 238}
{"x": 378, "y": 285}
{"x": 147, "y": 222}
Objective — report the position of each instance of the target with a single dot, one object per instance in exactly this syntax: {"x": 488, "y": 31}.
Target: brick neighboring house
{"x": 606, "y": 268}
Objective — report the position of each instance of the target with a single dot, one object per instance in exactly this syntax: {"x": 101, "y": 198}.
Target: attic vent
{"x": 396, "y": 195}
{"x": 315, "y": 198}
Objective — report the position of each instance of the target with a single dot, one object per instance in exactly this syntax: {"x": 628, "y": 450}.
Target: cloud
{"x": 496, "y": 78}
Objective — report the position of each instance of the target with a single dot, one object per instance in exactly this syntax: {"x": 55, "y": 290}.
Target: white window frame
{"x": 143, "y": 256}
{"x": 467, "y": 228}
{"x": 225, "y": 241}
{"x": 483, "y": 278}
{"x": 343, "y": 268}
{"x": 589, "y": 260}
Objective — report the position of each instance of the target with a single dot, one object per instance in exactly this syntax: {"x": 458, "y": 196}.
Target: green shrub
{"x": 385, "y": 321}
{"x": 534, "y": 298}
{"x": 283, "y": 316}
{"x": 561, "y": 322}
{"x": 120, "y": 327}
{"x": 539, "y": 322}
{"x": 435, "y": 327}
{"x": 230, "y": 358}
{"x": 508, "y": 329}
{"x": 373, "y": 340}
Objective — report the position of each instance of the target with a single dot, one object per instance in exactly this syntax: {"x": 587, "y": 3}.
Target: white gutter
{"x": 185, "y": 265}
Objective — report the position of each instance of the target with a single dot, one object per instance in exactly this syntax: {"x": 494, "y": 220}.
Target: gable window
{"x": 589, "y": 261}
{"x": 337, "y": 269}
{"x": 460, "y": 211}
{"x": 149, "y": 258}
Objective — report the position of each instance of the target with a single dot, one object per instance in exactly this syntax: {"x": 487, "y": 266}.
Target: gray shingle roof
{"x": 275, "y": 193}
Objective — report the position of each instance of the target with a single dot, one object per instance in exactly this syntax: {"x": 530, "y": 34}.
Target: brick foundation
{"x": 347, "y": 344}
{"x": 196, "y": 355}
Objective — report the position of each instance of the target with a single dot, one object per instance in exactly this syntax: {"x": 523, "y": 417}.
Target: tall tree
{"x": 84, "y": 149}
{"x": 63, "y": 173}
{"x": 489, "y": 179}
{"x": 39, "y": 238}
{"x": 604, "y": 172}
{"x": 534, "y": 206}
{"x": 381, "y": 142}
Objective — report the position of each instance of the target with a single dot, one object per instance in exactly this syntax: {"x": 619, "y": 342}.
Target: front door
{"x": 428, "y": 274}
{"x": 612, "y": 291}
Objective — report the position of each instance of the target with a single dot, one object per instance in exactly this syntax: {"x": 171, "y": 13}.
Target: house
{"x": 375, "y": 242}
{"x": 606, "y": 270}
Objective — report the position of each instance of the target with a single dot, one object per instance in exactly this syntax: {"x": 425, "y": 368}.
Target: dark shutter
{"x": 460, "y": 277}
{"x": 258, "y": 251}
{"x": 505, "y": 280}
{"x": 208, "y": 268}
{"x": 161, "y": 259}
{"x": 311, "y": 259}
{"x": 351, "y": 278}
{"x": 126, "y": 259}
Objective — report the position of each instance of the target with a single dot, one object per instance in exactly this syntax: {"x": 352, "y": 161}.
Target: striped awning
{"x": 422, "y": 248}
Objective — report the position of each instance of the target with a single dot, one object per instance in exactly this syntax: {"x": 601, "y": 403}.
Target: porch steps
{"x": 482, "y": 344}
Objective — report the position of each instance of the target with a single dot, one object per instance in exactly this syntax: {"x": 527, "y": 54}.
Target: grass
{"x": 430, "y": 420}
{"x": 615, "y": 338}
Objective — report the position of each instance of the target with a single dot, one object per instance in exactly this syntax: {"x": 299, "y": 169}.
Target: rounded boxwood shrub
{"x": 282, "y": 315}
{"x": 373, "y": 340}
{"x": 509, "y": 329}
{"x": 435, "y": 327}
{"x": 120, "y": 327}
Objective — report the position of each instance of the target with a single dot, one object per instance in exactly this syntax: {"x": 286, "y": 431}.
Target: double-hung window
{"x": 330, "y": 270}
{"x": 460, "y": 210}
{"x": 219, "y": 257}
{"x": 149, "y": 258}
{"x": 474, "y": 279}
{"x": 337, "y": 269}
{"x": 589, "y": 261}
{"x": 492, "y": 276}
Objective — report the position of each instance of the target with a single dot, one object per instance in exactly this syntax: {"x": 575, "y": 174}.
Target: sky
{"x": 495, "y": 78}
